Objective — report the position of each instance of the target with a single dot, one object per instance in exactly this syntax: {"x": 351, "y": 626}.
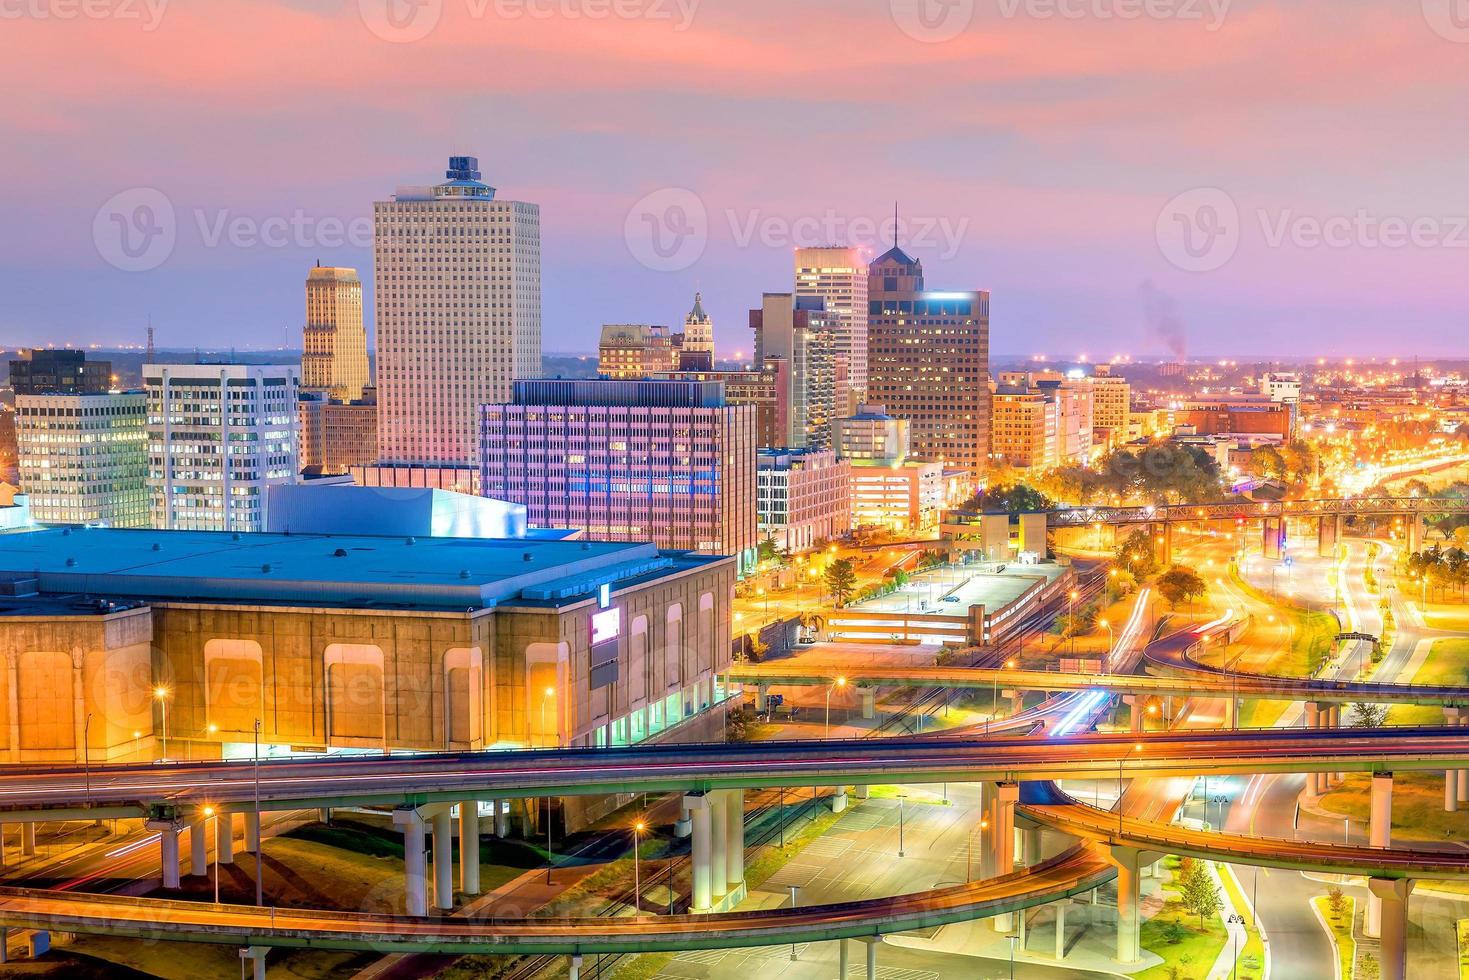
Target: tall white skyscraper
{"x": 839, "y": 277}
{"x": 218, "y": 435}
{"x": 457, "y": 278}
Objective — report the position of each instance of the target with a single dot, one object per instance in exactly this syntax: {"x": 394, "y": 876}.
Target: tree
{"x": 1196, "y": 887}
{"x": 841, "y": 579}
{"x": 1366, "y": 715}
{"x": 1179, "y": 585}
{"x": 1336, "y": 900}
{"x": 1267, "y": 463}
{"x": 770, "y": 551}
{"x": 1015, "y": 499}
{"x": 1135, "y": 554}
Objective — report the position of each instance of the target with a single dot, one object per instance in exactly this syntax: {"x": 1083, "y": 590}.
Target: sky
{"x": 1141, "y": 177}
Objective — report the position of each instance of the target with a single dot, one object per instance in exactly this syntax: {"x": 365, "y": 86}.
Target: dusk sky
{"x": 1275, "y": 178}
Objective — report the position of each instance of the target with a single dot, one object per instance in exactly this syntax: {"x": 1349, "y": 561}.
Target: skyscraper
{"x": 218, "y": 435}
{"x": 928, "y": 358}
{"x": 839, "y": 277}
{"x": 794, "y": 338}
{"x": 457, "y": 276}
{"x": 334, "y": 357}
{"x": 697, "y": 353}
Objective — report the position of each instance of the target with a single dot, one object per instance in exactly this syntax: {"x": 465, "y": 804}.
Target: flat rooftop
{"x": 338, "y": 570}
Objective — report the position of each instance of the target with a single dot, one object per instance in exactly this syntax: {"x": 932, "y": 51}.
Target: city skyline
{"x": 1056, "y": 210}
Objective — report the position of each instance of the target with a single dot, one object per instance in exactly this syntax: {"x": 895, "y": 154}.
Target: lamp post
{"x": 259, "y": 831}
{"x": 1111, "y": 643}
{"x": 87, "y": 755}
{"x": 901, "y": 798}
{"x": 1071, "y": 618}
{"x": 840, "y": 682}
{"x": 1235, "y": 919}
{"x": 1013, "y": 940}
{"x": 637, "y": 872}
{"x": 995, "y": 689}
{"x": 160, "y": 694}
{"x": 546, "y": 697}
{"x": 212, "y": 816}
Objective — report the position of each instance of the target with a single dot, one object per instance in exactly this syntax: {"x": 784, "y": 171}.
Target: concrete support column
{"x": 762, "y": 696}
{"x": 28, "y": 839}
{"x": 1391, "y": 896}
{"x": 256, "y": 956}
{"x": 871, "y": 957}
{"x": 1415, "y": 534}
{"x": 1135, "y": 710}
{"x": 1379, "y": 834}
{"x": 869, "y": 702}
{"x": 718, "y": 845}
{"x": 1002, "y": 841}
{"x": 198, "y": 855}
{"x": 1272, "y": 537}
{"x": 842, "y": 962}
{"x": 1061, "y": 928}
{"x": 469, "y": 847}
{"x": 838, "y": 800}
{"x": 224, "y": 838}
{"x": 252, "y": 831}
{"x": 443, "y": 860}
{"x": 1463, "y": 778}
{"x": 1334, "y": 721}
{"x": 863, "y": 792}
{"x": 502, "y": 819}
{"x": 414, "y": 862}
{"x": 168, "y": 849}
{"x": 697, "y": 805}
{"x": 1126, "y": 860}
{"x": 734, "y": 838}
{"x": 1030, "y": 846}
{"x": 1328, "y": 533}
{"x": 575, "y": 972}
{"x": 987, "y": 831}
{"x": 1314, "y": 780}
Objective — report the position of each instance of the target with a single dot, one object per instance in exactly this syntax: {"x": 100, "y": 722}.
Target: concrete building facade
{"x": 796, "y": 340}
{"x": 630, "y": 351}
{"x": 334, "y": 344}
{"x": 838, "y": 277}
{"x": 804, "y": 498}
{"x": 457, "y": 276}
{"x": 84, "y": 457}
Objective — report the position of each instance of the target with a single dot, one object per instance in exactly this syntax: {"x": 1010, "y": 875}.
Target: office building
{"x": 84, "y": 457}
{"x": 632, "y": 351}
{"x": 794, "y": 337}
{"x": 218, "y": 435}
{"x": 59, "y": 372}
{"x": 928, "y": 362}
{"x": 804, "y": 498}
{"x": 697, "y": 352}
{"x": 838, "y": 277}
{"x": 457, "y": 277}
{"x": 665, "y": 461}
{"x": 872, "y": 434}
{"x": 334, "y": 348}
{"x": 335, "y": 436}
{"x": 763, "y": 389}
{"x": 1111, "y": 405}
{"x": 358, "y": 642}
{"x": 898, "y": 496}
{"x": 1024, "y": 428}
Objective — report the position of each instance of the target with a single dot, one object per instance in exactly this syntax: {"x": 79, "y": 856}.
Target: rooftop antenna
{"x": 149, "y": 358}
{"x": 895, "y": 224}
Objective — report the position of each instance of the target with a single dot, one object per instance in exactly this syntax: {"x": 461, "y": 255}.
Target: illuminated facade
{"x": 457, "y": 278}
{"x": 697, "y": 352}
{"x": 334, "y": 349}
{"x": 803, "y": 498}
{"x": 629, "y": 351}
{"x": 795, "y": 340}
{"x": 84, "y": 458}
{"x": 838, "y": 277}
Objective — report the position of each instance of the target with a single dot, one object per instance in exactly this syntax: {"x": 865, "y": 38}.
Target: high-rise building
{"x": 872, "y": 434}
{"x": 697, "y": 353}
{"x": 84, "y": 458}
{"x": 59, "y": 372}
{"x": 665, "y": 461}
{"x": 1111, "y": 404}
{"x": 796, "y": 332}
{"x": 838, "y": 276}
{"x": 334, "y": 436}
{"x": 1024, "y": 428}
{"x": 457, "y": 276}
{"x": 804, "y": 498}
{"x": 218, "y": 435}
{"x": 928, "y": 361}
{"x": 334, "y": 352}
{"x": 630, "y": 351}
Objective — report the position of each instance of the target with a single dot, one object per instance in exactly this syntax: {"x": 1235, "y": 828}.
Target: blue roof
{"x": 305, "y": 569}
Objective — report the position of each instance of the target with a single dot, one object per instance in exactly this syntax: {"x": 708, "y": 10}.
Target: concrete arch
{"x": 356, "y": 697}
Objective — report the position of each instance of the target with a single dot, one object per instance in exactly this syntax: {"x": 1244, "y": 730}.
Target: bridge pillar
{"x": 1061, "y": 928}
{"x": 1315, "y": 781}
{"x": 1272, "y": 538}
{"x": 734, "y": 838}
{"x": 1328, "y": 534}
{"x": 168, "y": 847}
{"x": 502, "y": 819}
{"x": 1030, "y": 846}
{"x": 1333, "y": 720}
{"x": 224, "y": 838}
{"x": 1126, "y": 859}
{"x": 1379, "y": 834}
{"x": 843, "y": 961}
{"x": 1135, "y": 710}
{"x": 869, "y": 703}
{"x": 1391, "y": 897}
{"x": 863, "y": 792}
{"x": 1002, "y": 841}
{"x": 198, "y": 856}
{"x": 1416, "y": 529}
{"x": 872, "y": 942}
{"x": 256, "y": 956}
{"x": 469, "y": 847}
{"x": 838, "y": 800}
{"x": 575, "y": 971}
{"x": 28, "y": 839}
{"x": 718, "y": 845}
{"x": 443, "y": 827}
{"x": 252, "y": 831}
{"x": 698, "y": 806}
{"x": 762, "y": 696}
{"x": 414, "y": 860}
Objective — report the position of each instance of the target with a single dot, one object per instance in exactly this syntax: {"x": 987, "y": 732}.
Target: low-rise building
{"x": 629, "y": 351}
{"x": 907, "y": 495}
{"x": 84, "y": 457}
{"x": 803, "y": 498}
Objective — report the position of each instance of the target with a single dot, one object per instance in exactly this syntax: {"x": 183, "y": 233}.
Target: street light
{"x": 995, "y": 689}
{"x": 637, "y": 872}
{"x": 87, "y": 754}
{"x": 212, "y": 816}
{"x": 1235, "y": 919}
{"x": 160, "y": 694}
{"x": 546, "y": 697}
{"x": 259, "y": 830}
{"x": 1111, "y": 641}
{"x": 840, "y": 682}
{"x": 901, "y": 798}
{"x": 1013, "y": 940}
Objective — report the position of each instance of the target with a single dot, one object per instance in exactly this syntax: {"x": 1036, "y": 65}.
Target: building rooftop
{"x": 321, "y": 569}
